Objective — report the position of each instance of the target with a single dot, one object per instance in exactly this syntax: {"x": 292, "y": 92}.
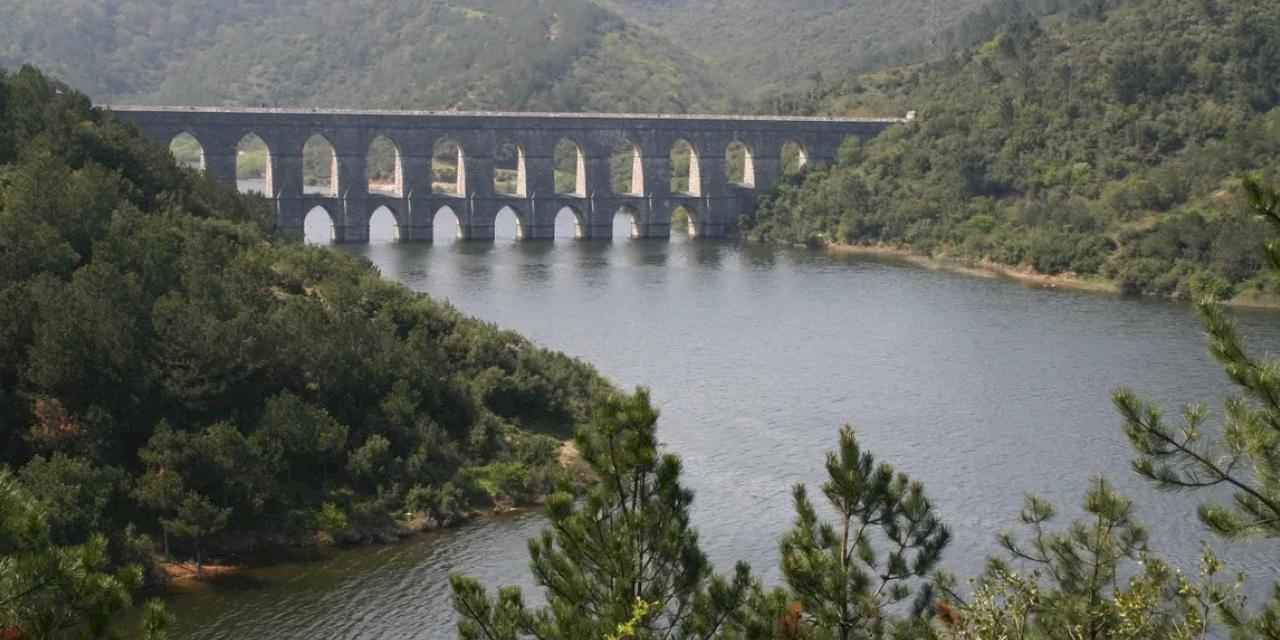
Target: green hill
{"x": 167, "y": 368}
{"x": 757, "y": 43}
{"x": 467, "y": 54}
{"x": 1102, "y": 143}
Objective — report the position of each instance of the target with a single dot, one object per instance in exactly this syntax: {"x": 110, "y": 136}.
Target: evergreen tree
{"x": 623, "y": 557}
{"x": 1093, "y": 580}
{"x": 845, "y": 579}
{"x": 1244, "y": 455}
{"x": 50, "y": 591}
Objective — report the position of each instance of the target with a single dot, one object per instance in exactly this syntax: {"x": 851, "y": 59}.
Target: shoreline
{"x": 181, "y": 576}
{"x": 983, "y": 269}
{"x": 1023, "y": 275}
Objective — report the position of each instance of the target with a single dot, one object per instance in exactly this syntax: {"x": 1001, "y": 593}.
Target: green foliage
{"x": 1095, "y": 579}
{"x": 757, "y": 45}
{"x": 251, "y": 162}
{"x": 566, "y": 55}
{"x": 165, "y": 364}
{"x": 1156, "y": 603}
{"x": 846, "y": 578}
{"x": 187, "y": 152}
{"x": 50, "y": 590}
{"x": 627, "y": 630}
{"x": 1243, "y": 454}
{"x": 1107, "y": 148}
{"x": 330, "y": 518}
{"x": 628, "y": 540}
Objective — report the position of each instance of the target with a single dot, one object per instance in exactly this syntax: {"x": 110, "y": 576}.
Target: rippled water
{"x": 981, "y": 388}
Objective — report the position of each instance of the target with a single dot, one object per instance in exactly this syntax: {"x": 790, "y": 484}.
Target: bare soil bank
{"x": 1024, "y": 275}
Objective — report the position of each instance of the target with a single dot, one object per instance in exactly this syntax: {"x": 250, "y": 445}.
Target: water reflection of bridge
{"x": 642, "y": 166}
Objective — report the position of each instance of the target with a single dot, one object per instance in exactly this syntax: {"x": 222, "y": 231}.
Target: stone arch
{"x": 319, "y": 167}
{"x": 384, "y": 169}
{"x": 446, "y": 223}
{"x": 187, "y": 151}
{"x": 739, "y": 164}
{"x": 502, "y": 221}
{"x": 626, "y": 169}
{"x": 579, "y": 222}
{"x": 449, "y": 168}
{"x": 794, "y": 157}
{"x": 384, "y": 225}
{"x": 253, "y": 165}
{"x": 509, "y": 175}
{"x": 686, "y": 172}
{"x": 626, "y": 223}
{"x": 317, "y": 226}
{"x": 570, "y": 163}
{"x": 686, "y": 219}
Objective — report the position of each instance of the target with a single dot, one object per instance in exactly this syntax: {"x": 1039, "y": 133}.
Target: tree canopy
{"x": 168, "y": 368}
{"x": 1106, "y": 142}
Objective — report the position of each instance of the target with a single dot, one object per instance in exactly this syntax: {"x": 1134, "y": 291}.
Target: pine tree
{"x": 1243, "y": 455}
{"x": 1094, "y": 580}
{"x": 623, "y": 557}
{"x": 50, "y": 591}
{"x": 839, "y": 584}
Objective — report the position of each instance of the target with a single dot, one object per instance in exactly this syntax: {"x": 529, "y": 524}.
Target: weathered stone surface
{"x": 714, "y": 202}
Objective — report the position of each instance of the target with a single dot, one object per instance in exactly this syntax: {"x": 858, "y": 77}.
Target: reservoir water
{"x": 982, "y": 388}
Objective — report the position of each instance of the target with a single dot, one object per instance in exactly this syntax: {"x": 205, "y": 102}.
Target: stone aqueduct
{"x": 713, "y": 201}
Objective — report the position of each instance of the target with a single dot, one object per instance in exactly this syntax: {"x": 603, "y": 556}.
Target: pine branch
{"x": 1204, "y": 462}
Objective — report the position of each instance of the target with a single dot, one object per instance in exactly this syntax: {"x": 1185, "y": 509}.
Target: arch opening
{"x": 739, "y": 168}
{"x": 319, "y": 167}
{"x": 383, "y": 169}
{"x": 508, "y": 171}
{"x": 686, "y": 175}
{"x": 570, "y": 168}
{"x": 794, "y": 158}
{"x": 383, "y": 227}
{"x": 253, "y": 165}
{"x": 568, "y": 224}
{"x": 448, "y": 168}
{"x": 507, "y": 225}
{"x": 317, "y": 227}
{"x": 187, "y": 151}
{"x": 626, "y": 169}
{"x": 626, "y": 224}
{"x": 684, "y": 221}
{"x": 445, "y": 226}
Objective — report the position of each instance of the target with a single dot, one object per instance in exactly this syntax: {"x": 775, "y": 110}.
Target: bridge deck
{"x": 586, "y": 115}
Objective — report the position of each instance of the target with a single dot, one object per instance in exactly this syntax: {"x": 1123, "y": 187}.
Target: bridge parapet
{"x": 715, "y": 202}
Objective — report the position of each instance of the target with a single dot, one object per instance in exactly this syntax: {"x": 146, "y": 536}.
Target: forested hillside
{"x": 759, "y": 43}
{"x": 169, "y": 371}
{"x": 1106, "y": 142}
{"x": 466, "y": 54}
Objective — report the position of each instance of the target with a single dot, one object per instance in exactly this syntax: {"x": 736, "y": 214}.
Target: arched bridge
{"x": 625, "y": 163}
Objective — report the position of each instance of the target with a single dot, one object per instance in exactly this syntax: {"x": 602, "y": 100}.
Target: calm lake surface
{"x": 982, "y": 388}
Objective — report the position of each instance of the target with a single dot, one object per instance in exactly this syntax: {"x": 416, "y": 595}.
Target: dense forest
{"x": 1106, "y": 142}
{"x": 177, "y": 382}
{"x": 569, "y": 55}
{"x": 759, "y": 47}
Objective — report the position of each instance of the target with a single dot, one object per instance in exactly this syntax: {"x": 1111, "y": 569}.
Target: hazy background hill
{"x": 610, "y": 55}
{"x": 756, "y": 43}
{"x": 469, "y": 54}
